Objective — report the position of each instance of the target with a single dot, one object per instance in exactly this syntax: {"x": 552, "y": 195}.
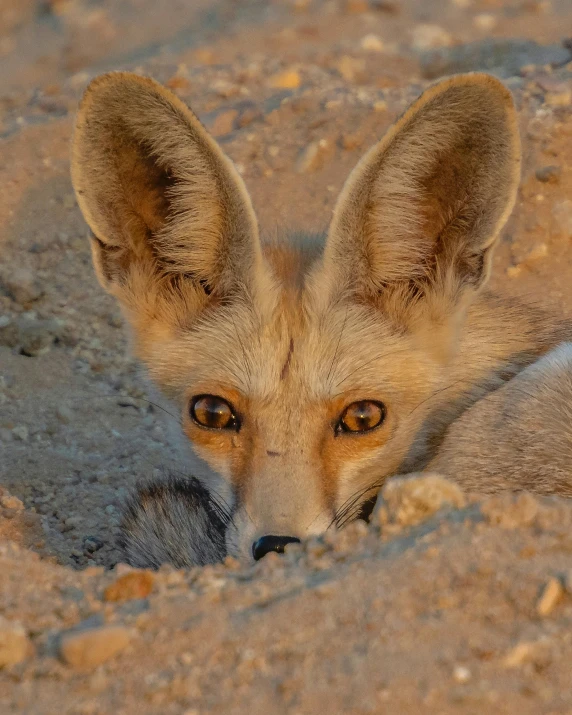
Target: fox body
{"x": 307, "y": 373}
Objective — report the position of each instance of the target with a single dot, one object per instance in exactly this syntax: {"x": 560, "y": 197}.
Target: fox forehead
{"x": 284, "y": 345}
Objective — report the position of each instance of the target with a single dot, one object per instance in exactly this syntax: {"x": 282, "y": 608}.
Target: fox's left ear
{"x": 421, "y": 212}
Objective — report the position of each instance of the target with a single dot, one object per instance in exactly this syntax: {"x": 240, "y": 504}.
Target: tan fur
{"x": 519, "y": 436}
{"x": 392, "y": 310}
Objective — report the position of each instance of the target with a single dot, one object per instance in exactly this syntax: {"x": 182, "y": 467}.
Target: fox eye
{"x": 361, "y": 416}
{"x": 214, "y": 412}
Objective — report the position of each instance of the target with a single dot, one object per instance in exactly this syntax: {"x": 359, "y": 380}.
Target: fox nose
{"x": 265, "y": 544}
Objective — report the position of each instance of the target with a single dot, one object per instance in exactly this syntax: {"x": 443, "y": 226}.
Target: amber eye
{"x": 214, "y": 412}
{"x": 362, "y": 416}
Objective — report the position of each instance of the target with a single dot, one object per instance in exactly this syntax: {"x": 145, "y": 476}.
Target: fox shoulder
{"x": 518, "y": 437}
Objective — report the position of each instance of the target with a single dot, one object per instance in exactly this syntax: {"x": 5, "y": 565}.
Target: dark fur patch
{"x": 173, "y": 520}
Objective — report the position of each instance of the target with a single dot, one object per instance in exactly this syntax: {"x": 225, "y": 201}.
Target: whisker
{"x": 437, "y": 392}
{"x": 118, "y": 396}
{"x": 247, "y": 365}
{"x": 338, "y": 344}
{"x": 340, "y": 517}
{"x": 368, "y": 362}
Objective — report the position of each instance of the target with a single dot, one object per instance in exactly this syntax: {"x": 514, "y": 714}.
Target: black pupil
{"x": 216, "y": 412}
{"x": 212, "y": 412}
{"x": 365, "y": 415}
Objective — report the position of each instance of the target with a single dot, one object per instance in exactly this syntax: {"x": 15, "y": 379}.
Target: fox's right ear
{"x": 172, "y": 221}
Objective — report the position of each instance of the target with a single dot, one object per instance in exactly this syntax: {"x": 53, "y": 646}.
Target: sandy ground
{"x": 466, "y": 612}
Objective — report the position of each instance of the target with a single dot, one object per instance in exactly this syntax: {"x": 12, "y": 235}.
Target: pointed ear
{"x": 420, "y": 214}
{"x": 171, "y": 219}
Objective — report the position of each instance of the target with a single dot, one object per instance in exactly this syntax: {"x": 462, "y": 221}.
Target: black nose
{"x": 271, "y": 543}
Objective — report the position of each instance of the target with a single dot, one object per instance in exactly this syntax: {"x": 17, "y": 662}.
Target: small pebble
{"x": 535, "y": 652}
{"x": 461, "y": 674}
{"x": 550, "y": 597}
{"x": 11, "y": 502}
{"x": 312, "y": 156}
{"x": 86, "y": 649}
{"x": 137, "y": 584}
{"x": 351, "y": 68}
{"x": 290, "y": 79}
{"x": 485, "y": 22}
{"x": 64, "y": 414}
{"x": 411, "y": 500}
{"x": 223, "y": 123}
{"x": 549, "y": 174}
{"x": 22, "y": 285}
{"x": 372, "y": 43}
{"x": 540, "y": 250}
{"x": 427, "y": 37}
{"x": 91, "y": 544}
{"x": 21, "y": 432}
{"x": 14, "y": 643}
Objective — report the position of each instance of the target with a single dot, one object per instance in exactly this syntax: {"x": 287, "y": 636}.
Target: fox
{"x": 305, "y": 373}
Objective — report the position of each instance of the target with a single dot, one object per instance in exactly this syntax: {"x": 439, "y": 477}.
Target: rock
{"x": 290, "y": 79}
{"x": 88, "y": 648}
{"x": 549, "y": 174}
{"x": 312, "y": 156}
{"x": 64, "y": 414}
{"x": 538, "y": 653}
{"x": 204, "y": 56}
{"x": 21, "y": 285}
{"x": 178, "y": 83}
{"x": 550, "y": 597}
{"x": 33, "y": 336}
{"x": 20, "y": 432}
{"x": 372, "y": 43}
{"x": 248, "y": 112}
{"x": 540, "y": 250}
{"x": 351, "y": 68}
{"x": 410, "y": 500}
{"x": 137, "y": 584}
{"x": 559, "y": 99}
{"x": 115, "y": 319}
{"x": 351, "y": 141}
{"x": 14, "y": 643}
{"x": 485, "y": 21}
{"x": 10, "y": 502}
{"x": 426, "y": 37}
{"x": 509, "y": 511}
{"x": 223, "y": 123}
{"x": 503, "y": 57}
{"x": 461, "y": 674}
{"x": 91, "y": 544}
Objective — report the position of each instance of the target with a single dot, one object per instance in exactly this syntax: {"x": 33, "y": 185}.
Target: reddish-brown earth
{"x": 463, "y": 613}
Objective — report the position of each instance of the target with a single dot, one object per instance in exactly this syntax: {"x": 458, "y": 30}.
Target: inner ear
{"x": 137, "y": 167}
{"x": 158, "y": 193}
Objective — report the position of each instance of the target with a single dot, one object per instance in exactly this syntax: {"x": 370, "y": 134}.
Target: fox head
{"x": 302, "y": 379}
